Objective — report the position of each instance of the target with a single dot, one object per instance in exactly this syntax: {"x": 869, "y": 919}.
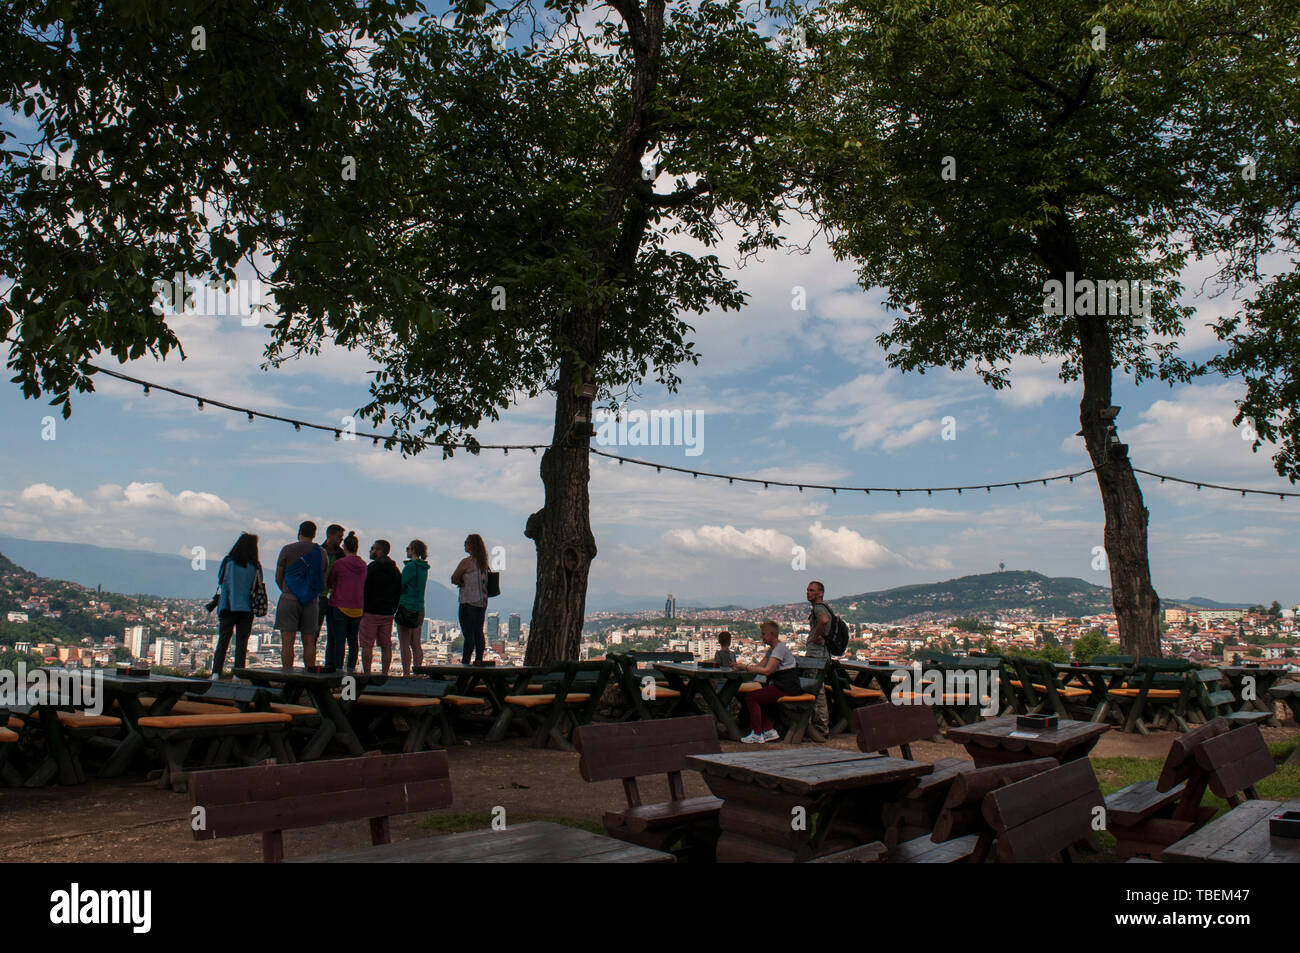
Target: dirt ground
{"x": 132, "y": 820}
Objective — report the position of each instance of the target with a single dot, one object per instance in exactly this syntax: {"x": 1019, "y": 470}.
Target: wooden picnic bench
{"x": 844, "y": 696}
{"x": 414, "y": 702}
{"x": 547, "y": 713}
{"x": 797, "y": 710}
{"x": 881, "y": 727}
{"x": 1163, "y": 687}
{"x": 1002, "y": 740}
{"x": 716, "y": 687}
{"x": 1041, "y": 818}
{"x": 1219, "y": 702}
{"x": 648, "y": 694}
{"x": 63, "y": 733}
{"x": 269, "y": 798}
{"x": 1043, "y": 690}
{"x": 1241, "y": 836}
{"x": 226, "y": 737}
{"x": 659, "y": 746}
{"x": 961, "y": 834}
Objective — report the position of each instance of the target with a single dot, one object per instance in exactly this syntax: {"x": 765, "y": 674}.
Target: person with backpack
{"x": 333, "y": 549}
{"x": 471, "y": 576}
{"x": 300, "y": 574}
{"x": 410, "y": 606}
{"x": 382, "y": 594}
{"x": 239, "y": 573}
{"x": 820, "y": 620}
{"x": 347, "y": 583}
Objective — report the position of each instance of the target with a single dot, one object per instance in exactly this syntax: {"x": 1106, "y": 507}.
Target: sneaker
{"x": 771, "y": 735}
{"x": 753, "y": 738}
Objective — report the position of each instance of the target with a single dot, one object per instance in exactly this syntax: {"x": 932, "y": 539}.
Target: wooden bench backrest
{"x": 636, "y": 749}
{"x": 268, "y": 798}
{"x": 881, "y": 727}
{"x": 1236, "y": 761}
{"x": 1213, "y": 696}
{"x": 1038, "y": 819}
{"x": 962, "y": 811}
{"x": 1180, "y": 763}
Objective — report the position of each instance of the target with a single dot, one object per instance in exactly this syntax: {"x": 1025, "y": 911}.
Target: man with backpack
{"x": 300, "y": 574}
{"x": 820, "y": 622}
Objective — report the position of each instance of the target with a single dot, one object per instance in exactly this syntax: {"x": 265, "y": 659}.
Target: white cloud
{"x": 849, "y": 549}
{"x": 44, "y": 497}
{"x": 731, "y": 542}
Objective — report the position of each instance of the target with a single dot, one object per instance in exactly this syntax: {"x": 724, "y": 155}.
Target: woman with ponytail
{"x": 471, "y": 577}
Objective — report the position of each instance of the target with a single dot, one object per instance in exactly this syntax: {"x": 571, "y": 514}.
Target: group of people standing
{"x": 357, "y": 603}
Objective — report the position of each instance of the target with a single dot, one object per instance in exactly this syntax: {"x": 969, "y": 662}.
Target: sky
{"x": 782, "y": 393}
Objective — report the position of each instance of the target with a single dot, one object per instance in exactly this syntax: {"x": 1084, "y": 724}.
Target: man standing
{"x": 333, "y": 550}
{"x": 300, "y": 574}
{"x": 819, "y": 620}
{"x": 382, "y": 592}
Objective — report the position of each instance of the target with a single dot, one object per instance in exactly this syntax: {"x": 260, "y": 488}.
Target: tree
{"x": 475, "y": 215}
{"x": 1087, "y": 647}
{"x": 979, "y": 161}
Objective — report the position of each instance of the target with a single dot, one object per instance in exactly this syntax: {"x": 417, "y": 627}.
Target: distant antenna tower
{"x": 1002, "y": 565}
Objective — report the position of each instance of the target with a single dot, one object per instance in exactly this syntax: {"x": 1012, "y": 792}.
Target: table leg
{"x": 69, "y": 770}
{"x": 722, "y": 709}
{"x": 130, "y": 746}
{"x": 331, "y": 714}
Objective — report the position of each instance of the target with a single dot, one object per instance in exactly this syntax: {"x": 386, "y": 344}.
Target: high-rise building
{"x": 426, "y": 634}
{"x": 137, "y": 640}
{"x": 670, "y": 607}
{"x": 493, "y": 626}
{"x": 166, "y": 652}
{"x": 514, "y": 627}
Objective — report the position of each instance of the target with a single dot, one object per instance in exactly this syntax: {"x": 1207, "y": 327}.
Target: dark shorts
{"x": 292, "y": 616}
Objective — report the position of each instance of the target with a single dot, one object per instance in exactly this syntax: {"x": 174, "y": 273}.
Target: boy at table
{"x": 724, "y": 657}
{"x": 779, "y": 667}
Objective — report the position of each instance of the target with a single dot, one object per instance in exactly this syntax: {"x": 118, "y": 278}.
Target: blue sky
{"x": 784, "y": 393}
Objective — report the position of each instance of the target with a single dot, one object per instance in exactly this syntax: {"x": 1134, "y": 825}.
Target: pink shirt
{"x": 348, "y": 580}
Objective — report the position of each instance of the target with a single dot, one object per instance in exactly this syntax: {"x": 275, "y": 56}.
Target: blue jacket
{"x": 236, "y": 583}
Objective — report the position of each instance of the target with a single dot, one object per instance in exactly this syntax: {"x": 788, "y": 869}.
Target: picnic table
{"x": 1100, "y": 680}
{"x": 999, "y": 741}
{"x": 865, "y": 674}
{"x": 1263, "y": 682}
{"x": 1241, "y": 836}
{"x": 62, "y": 757}
{"x": 125, "y": 691}
{"x": 498, "y": 681}
{"x": 320, "y": 688}
{"x": 1289, "y": 695}
{"x": 538, "y": 842}
{"x": 692, "y": 679}
{"x": 844, "y": 792}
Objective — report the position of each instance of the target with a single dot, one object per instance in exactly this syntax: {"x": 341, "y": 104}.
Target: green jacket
{"x": 415, "y": 573}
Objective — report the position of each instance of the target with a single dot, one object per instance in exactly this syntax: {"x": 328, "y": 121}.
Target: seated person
{"x": 782, "y": 679}
{"x": 724, "y": 657}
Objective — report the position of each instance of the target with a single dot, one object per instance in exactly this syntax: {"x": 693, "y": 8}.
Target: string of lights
{"x": 339, "y": 431}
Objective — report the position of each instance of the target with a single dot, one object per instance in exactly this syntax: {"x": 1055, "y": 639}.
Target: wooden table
{"x": 1240, "y": 836}
{"x": 498, "y": 680}
{"x": 1098, "y": 679}
{"x": 692, "y": 680}
{"x": 773, "y": 798}
{"x": 320, "y": 688}
{"x": 995, "y": 741}
{"x": 125, "y": 691}
{"x": 1264, "y": 679}
{"x": 865, "y": 673}
{"x": 539, "y": 842}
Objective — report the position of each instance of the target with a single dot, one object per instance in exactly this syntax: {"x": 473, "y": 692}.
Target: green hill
{"x": 982, "y": 594}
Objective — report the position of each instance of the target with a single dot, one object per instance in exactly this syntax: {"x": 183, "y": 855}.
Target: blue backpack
{"x": 303, "y": 578}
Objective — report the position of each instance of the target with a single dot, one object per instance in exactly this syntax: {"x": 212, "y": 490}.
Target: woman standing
{"x": 410, "y": 607}
{"x": 239, "y": 570}
{"x": 471, "y": 577}
{"x": 347, "y": 583}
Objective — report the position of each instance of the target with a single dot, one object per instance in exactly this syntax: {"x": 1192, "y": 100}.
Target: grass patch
{"x": 478, "y": 820}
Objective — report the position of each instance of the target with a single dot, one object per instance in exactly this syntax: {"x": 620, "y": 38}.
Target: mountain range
{"x": 133, "y": 571}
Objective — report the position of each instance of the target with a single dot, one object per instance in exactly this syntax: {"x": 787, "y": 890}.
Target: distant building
{"x": 16, "y": 617}
{"x": 670, "y": 607}
{"x": 493, "y": 626}
{"x": 165, "y": 652}
{"x": 514, "y": 627}
{"x": 1175, "y": 616}
{"x": 137, "y": 640}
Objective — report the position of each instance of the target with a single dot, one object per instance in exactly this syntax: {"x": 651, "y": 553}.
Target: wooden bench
{"x": 1041, "y": 818}
{"x": 269, "y": 798}
{"x": 1148, "y": 816}
{"x": 1220, "y": 702}
{"x": 417, "y": 702}
{"x": 238, "y": 734}
{"x": 660, "y": 746}
{"x": 632, "y": 668}
{"x": 843, "y": 698}
{"x": 881, "y": 727}
{"x": 64, "y": 735}
{"x": 1157, "y": 685}
{"x": 961, "y": 834}
{"x": 797, "y": 710}
{"x": 1236, "y": 762}
{"x": 1043, "y": 691}
{"x": 548, "y": 713}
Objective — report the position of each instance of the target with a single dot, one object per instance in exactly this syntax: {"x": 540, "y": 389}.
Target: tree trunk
{"x": 561, "y": 529}
{"x": 1137, "y": 606}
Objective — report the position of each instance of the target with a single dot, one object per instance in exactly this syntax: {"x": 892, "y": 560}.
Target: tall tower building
{"x": 137, "y": 640}
{"x": 493, "y": 626}
{"x": 514, "y": 627}
{"x": 670, "y": 607}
